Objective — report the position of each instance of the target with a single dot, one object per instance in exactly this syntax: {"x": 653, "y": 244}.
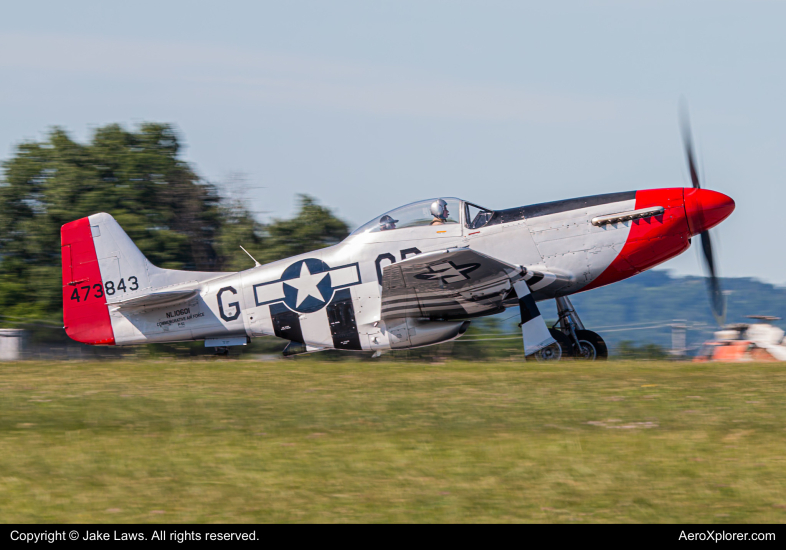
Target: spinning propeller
{"x": 705, "y": 209}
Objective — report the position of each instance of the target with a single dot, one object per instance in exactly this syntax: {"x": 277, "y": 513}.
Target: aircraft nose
{"x": 705, "y": 209}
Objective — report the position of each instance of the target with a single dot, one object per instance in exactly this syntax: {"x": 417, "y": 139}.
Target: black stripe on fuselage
{"x": 535, "y": 279}
{"x": 341, "y": 316}
{"x": 286, "y": 323}
{"x": 546, "y": 208}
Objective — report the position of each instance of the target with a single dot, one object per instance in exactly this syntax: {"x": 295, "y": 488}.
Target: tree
{"x": 312, "y": 228}
{"x": 178, "y": 220}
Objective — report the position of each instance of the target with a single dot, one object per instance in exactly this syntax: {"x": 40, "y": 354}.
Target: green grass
{"x": 304, "y": 441}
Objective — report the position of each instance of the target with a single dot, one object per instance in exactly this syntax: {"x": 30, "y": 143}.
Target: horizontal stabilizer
{"x": 226, "y": 342}
{"x": 157, "y": 299}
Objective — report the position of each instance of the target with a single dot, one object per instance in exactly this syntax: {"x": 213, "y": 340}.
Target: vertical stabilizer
{"x": 102, "y": 266}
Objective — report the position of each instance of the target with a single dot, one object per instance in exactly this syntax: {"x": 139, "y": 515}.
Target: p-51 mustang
{"x": 412, "y": 277}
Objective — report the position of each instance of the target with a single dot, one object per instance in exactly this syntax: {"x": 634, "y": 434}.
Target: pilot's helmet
{"x": 387, "y": 222}
{"x": 439, "y": 209}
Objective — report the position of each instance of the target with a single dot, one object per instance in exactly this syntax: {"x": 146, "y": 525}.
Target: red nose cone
{"x": 706, "y": 209}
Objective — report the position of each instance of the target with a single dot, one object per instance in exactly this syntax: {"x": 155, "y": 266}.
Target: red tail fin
{"x": 85, "y": 314}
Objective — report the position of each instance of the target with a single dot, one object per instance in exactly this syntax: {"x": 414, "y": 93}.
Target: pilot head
{"x": 386, "y": 222}
{"x": 439, "y": 209}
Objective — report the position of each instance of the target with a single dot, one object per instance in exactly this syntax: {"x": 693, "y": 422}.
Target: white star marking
{"x": 306, "y": 285}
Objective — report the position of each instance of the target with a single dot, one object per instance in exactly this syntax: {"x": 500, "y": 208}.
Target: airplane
{"x": 411, "y": 277}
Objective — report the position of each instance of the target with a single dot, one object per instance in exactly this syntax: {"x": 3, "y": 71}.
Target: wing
{"x": 450, "y": 284}
{"x": 460, "y": 283}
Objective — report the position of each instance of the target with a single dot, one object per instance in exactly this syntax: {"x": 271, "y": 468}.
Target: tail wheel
{"x": 553, "y": 352}
{"x": 593, "y": 348}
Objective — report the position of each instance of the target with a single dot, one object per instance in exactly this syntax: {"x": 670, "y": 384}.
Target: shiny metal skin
{"x": 411, "y": 285}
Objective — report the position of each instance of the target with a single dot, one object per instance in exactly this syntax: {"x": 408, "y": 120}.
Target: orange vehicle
{"x": 761, "y": 342}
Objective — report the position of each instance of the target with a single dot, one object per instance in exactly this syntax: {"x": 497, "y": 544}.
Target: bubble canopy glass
{"x": 411, "y": 215}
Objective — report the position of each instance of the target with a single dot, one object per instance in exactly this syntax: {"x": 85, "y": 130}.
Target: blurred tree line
{"x": 178, "y": 220}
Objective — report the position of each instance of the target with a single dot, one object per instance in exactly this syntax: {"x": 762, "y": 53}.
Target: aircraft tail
{"x": 102, "y": 266}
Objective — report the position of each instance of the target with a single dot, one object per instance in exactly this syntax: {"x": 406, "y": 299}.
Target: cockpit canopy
{"x": 422, "y": 213}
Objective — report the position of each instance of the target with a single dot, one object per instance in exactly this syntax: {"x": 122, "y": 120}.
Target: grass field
{"x": 305, "y": 441}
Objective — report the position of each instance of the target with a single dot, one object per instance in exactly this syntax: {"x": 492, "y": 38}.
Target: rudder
{"x": 85, "y": 315}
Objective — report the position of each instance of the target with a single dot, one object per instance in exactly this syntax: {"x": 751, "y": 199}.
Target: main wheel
{"x": 555, "y": 351}
{"x": 593, "y": 348}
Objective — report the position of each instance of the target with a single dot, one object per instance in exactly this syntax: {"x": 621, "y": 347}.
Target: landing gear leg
{"x": 539, "y": 343}
{"x": 585, "y": 344}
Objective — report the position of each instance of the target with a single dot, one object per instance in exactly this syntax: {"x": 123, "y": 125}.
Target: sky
{"x": 369, "y": 105}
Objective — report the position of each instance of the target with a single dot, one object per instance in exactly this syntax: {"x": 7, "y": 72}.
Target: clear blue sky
{"x": 367, "y": 105}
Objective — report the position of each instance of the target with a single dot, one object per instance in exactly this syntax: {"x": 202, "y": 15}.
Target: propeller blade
{"x": 717, "y": 298}
{"x": 688, "y": 141}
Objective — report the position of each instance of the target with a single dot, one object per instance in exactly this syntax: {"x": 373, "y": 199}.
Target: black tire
{"x": 557, "y": 351}
{"x": 593, "y": 346}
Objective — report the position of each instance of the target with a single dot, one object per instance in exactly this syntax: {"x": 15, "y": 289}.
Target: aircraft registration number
{"x": 110, "y": 287}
